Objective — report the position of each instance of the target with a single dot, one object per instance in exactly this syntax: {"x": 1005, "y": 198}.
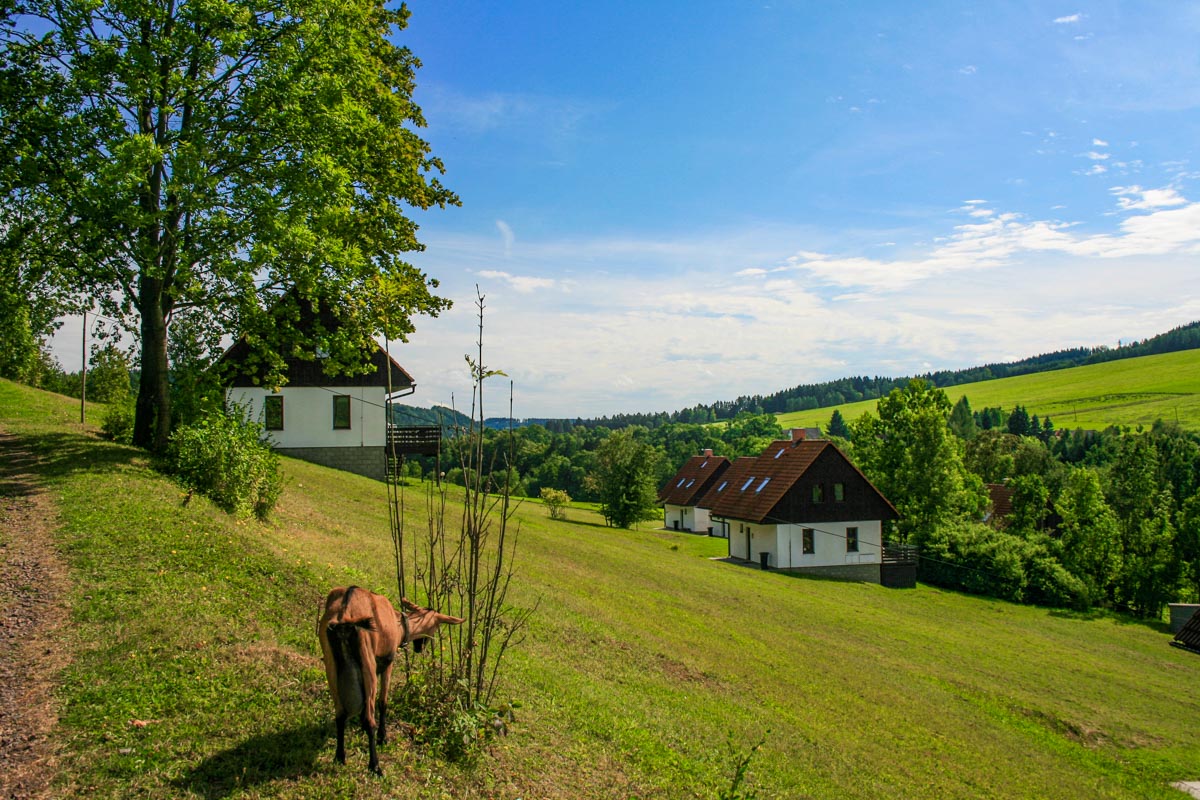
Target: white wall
{"x": 308, "y": 415}
{"x": 829, "y": 542}
{"x": 785, "y": 543}
{"x": 689, "y": 518}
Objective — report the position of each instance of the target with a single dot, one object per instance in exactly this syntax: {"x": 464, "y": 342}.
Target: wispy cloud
{"x": 506, "y": 234}
{"x": 1070, "y": 19}
{"x": 521, "y": 283}
{"x": 1135, "y": 198}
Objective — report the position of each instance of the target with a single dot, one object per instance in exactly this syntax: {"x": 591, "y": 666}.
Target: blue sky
{"x": 668, "y": 203}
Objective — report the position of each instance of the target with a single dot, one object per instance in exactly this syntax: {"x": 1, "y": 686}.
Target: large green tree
{"x": 242, "y": 158}
{"x": 911, "y": 455}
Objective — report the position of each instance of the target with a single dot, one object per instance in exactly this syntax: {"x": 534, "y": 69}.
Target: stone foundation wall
{"x": 868, "y": 573}
{"x": 368, "y": 460}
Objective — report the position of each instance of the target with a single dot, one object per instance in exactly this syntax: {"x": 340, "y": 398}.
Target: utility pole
{"x": 83, "y": 383}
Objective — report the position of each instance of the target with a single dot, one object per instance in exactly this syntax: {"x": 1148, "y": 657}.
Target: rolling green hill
{"x": 1134, "y": 391}
{"x": 649, "y": 668}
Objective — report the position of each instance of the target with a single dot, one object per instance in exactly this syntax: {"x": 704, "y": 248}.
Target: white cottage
{"x": 802, "y": 506}
{"x": 335, "y": 421}
{"x": 680, "y": 496}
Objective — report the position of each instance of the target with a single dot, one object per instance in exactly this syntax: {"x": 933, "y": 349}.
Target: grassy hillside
{"x": 1135, "y": 391}
{"x": 646, "y": 659}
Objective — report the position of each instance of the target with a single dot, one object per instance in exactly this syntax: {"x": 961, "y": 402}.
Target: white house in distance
{"x": 679, "y": 496}
{"x": 335, "y": 421}
{"x": 802, "y": 506}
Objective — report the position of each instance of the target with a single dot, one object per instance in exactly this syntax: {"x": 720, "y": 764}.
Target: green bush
{"x": 974, "y": 558}
{"x": 117, "y": 421}
{"x": 979, "y": 559}
{"x": 224, "y": 457}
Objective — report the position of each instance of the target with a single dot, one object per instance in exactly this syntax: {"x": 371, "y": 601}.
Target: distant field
{"x": 648, "y": 671}
{"x": 1134, "y": 391}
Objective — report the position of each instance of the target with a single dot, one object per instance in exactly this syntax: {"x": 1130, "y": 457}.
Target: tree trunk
{"x": 152, "y": 419}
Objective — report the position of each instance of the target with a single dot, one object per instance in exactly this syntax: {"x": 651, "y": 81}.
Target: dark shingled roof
{"x": 762, "y": 482}
{"x": 1189, "y": 635}
{"x": 694, "y": 478}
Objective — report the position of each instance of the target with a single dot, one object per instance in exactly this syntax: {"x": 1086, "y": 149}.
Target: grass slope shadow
{"x": 282, "y": 755}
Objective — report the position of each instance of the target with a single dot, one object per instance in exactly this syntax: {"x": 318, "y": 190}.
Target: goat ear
{"x": 449, "y": 620}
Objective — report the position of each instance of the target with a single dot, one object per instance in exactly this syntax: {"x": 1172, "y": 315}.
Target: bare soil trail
{"x": 33, "y": 609}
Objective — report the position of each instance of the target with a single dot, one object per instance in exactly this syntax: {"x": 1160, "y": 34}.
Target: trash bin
{"x": 765, "y": 560}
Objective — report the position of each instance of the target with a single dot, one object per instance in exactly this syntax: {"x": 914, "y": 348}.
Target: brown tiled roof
{"x": 694, "y": 478}
{"x": 1001, "y": 497}
{"x": 733, "y": 477}
{"x": 763, "y": 484}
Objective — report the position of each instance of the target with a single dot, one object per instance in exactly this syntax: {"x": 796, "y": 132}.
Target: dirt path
{"x": 33, "y": 604}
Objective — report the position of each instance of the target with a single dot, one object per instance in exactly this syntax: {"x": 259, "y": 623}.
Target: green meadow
{"x": 649, "y": 670}
{"x": 1134, "y": 391}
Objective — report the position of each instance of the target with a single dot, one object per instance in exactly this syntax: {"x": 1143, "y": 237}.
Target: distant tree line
{"x": 850, "y": 390}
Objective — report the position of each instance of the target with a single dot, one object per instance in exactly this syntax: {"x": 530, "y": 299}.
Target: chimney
{"x": 798, "y": 434}
{"x": 708, "y": 453}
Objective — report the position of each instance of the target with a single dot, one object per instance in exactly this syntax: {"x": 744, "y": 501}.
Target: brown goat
{"x": 360, "y": 632}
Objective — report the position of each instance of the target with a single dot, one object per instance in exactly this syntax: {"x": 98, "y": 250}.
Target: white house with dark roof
{"x": 680, "y": 495}
{"x": 802, "y": 506}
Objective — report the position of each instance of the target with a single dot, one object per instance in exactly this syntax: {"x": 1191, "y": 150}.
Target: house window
{"x": 806, "y": 546}
{"x": 341, "y": 412}
{"x": 273, "y": 412}
{"x": 839, "y": 492}
{"x": 818, "y": 493}
{"x": 851, "y": 540}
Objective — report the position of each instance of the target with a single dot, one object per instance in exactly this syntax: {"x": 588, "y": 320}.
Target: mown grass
{"x": 1134, "y": 391}
{"x": 644, "y": 660}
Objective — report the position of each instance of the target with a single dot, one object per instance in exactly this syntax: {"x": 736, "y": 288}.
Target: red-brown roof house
{"x": 679, "y": 496}
{"x": 803, "y": 506}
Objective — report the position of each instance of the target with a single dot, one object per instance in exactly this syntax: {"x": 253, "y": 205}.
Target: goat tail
{"x": 345, "y": 642}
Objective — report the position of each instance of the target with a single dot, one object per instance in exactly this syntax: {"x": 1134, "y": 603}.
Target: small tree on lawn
{"x": 625, "y": 476}
{"x": 556, "y": 501}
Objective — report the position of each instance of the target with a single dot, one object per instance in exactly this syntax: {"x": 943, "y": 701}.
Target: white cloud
{"x": 1094, "y": 156}
{"x": 969, "y": 69}
{"x": 1135, "y": 198}
{"x": 521, "y": 283}
{"x": 1099, "y": 143}
{"x": 1068, "y": 20}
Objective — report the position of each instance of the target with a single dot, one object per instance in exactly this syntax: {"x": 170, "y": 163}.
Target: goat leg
{"x": 341, "y": 737}
{"x": 373, "y": 764}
